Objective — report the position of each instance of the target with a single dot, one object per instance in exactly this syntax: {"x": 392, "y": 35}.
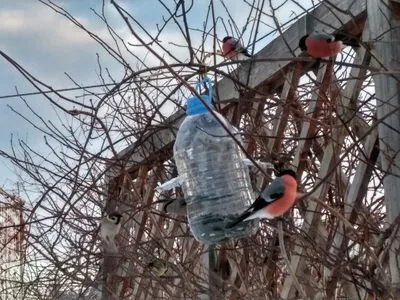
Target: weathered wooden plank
{"x": 256, "y": 111}
{"x": 113, "y": 192}
{"x": 149, "y": 147}
{"x": 322, "y": 237}
{"x": 385, "y": 34}
{"x": 124, "y": 237}
{"x": 307, "y": 130}
{"x": 310, "y": 219}
{"x": 309, "y": 127}
{"x": 287, "y": 95}
{"x": 354, "y": 195}
{"x": 357, "y": 190}
{"x": 192, "y": 247}
{"x": 140, "y": 220}
{"x": 156, "y": 223}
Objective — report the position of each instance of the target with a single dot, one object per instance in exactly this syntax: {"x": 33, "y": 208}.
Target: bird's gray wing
{"x": 108, "y": 246}
{"x": 274, "y": 190}
{"x": 323, "y": 37}
{"x": 236, "y": 45}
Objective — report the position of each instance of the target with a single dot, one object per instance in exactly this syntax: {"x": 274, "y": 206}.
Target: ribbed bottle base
{"x": 211, "y": 228}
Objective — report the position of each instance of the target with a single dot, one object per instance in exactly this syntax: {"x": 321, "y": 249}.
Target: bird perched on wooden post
{"x": 274, "y": 201}
{"x": 320, "y": 45}
{"x": 233, "y": 49}
{"x": 109, "y": 228}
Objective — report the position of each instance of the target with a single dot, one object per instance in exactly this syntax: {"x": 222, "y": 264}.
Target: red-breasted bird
{"x": 274, "y": 201}
{"x": 323, "y": 44}
{"x": 232, "y": 48}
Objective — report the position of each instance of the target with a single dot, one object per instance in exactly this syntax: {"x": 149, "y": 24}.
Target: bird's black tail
{"x": 240, "y": 219}
{"x": 346, "y": 40}
{"x": 340, "y": 37}
{"x": 351, "y": 43}
{"x": 246, "y": 53}
{"x": 167, "y": 202}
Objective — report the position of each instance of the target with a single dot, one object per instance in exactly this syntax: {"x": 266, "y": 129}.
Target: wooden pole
{"x": 385, "y": 45}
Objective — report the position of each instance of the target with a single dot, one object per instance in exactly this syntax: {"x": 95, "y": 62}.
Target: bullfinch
{"x": 324, "y": 45}
{"x": 232, "y": 48}
{"x": 274, "y": 201}
{"x": 109, "y": 228}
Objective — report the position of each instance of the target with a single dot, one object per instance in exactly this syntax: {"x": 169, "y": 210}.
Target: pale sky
{"x": 49, "y": 46}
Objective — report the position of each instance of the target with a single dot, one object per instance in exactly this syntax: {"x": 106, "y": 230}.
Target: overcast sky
{"x": 48, "y": 45}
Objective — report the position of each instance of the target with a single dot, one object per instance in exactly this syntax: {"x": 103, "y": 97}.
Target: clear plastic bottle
{"x": 217, "y": 187}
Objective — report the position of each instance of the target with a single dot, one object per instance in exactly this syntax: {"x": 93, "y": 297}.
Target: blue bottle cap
{"x": 195, "y": 106}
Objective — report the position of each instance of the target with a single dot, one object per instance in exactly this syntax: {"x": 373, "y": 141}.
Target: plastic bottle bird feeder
{"x": 216, "y": 181}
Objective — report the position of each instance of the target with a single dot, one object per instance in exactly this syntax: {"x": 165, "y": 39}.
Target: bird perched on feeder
{"x": 158, "y": 268}
{"x": 109, "y": 228}
{"x": 274, "y": 201}
{"x": 323, "y": 44}
{"x": 233, "y": 49}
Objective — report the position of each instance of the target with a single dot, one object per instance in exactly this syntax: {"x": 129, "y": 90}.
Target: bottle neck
{"x": 196, "y": 107}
